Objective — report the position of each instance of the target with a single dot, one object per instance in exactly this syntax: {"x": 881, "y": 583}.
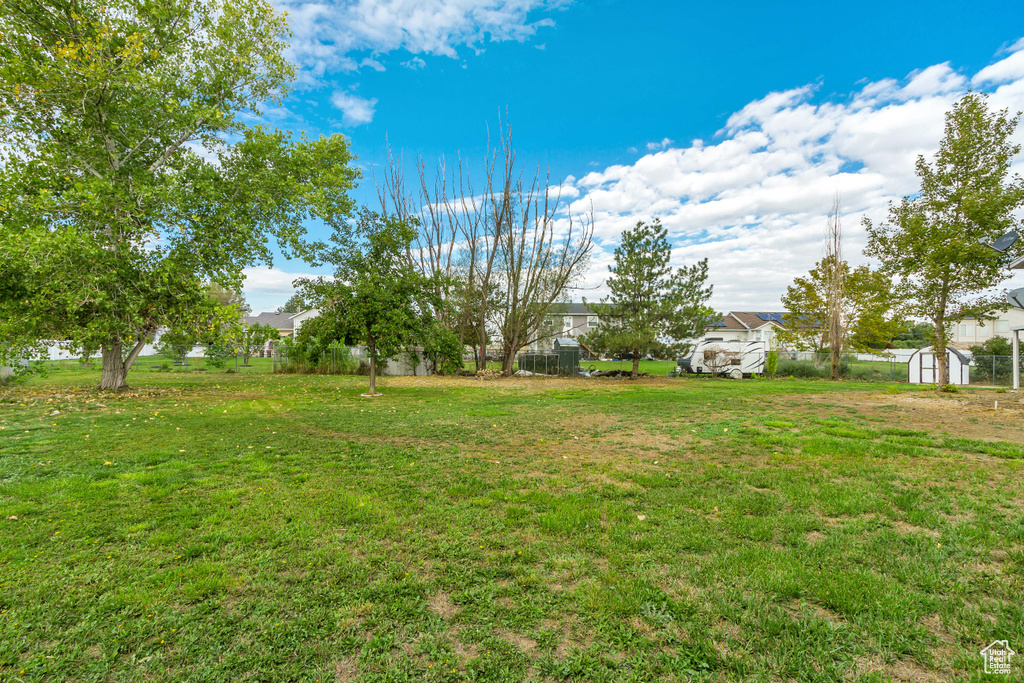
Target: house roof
{"x": 570, "y": 309}
{"x": 280, "y": 321}
{"x": 749, "y": 320}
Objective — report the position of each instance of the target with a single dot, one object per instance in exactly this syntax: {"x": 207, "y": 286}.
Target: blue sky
{"x": 734, "y": 123}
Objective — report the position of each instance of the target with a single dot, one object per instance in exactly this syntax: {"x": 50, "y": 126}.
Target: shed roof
{"x": 931, "y": 349}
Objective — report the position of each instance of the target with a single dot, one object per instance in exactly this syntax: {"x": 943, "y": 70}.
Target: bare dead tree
{"x": 433, "y": 252}
{"x": 500, "y": 257}
{"x": 456, "y": 244}
{"x": 835, "y": 275}
{"x": 540, "y": 254}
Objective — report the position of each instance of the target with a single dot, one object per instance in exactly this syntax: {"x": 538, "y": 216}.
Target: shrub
{"x": 993, "y": 360}
{"x": 949, "y": 389}
{"x": 868, "y": 374}
{"x": 217, "y": 354}
{"x": 441, "y": 349}
{"x": 771, "y": 363}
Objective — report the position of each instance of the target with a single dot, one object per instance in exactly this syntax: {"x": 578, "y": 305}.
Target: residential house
{"x": 566, "y": 320}
{"x": 747, "y": 326}
{"x": 971, "y": 331}
{"x": 576, "y": 320}
{"x": 287, "y": 324}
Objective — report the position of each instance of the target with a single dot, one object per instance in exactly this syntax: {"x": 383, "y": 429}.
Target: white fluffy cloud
{"x": 267, "y": 288}
{"x": 327, "y": 33}
{"x": 355, "y": 110}
{"x": 653, "y": 146}
{"x": 754, "y": 201}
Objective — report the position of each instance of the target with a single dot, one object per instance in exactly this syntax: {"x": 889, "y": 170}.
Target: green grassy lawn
{"x": 658, "y": 368}
{"x": 251, "y": 526}
{"x": 146, "y": 364}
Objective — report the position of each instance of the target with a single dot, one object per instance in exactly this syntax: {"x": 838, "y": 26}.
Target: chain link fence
{"x": 993, "y": 370}
{"x": 984, "y": 370}
{"x": 330, "y": 360}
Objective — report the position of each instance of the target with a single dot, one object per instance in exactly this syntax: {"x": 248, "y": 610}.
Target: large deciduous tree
{"x": 129, "y": 179}
{"x": 868, "y": 311}
{"x": 931, "y": 242}
{"x": 652, "y": 306}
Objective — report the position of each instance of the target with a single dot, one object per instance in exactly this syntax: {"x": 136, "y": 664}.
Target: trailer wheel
{"x": 736, "y": 373}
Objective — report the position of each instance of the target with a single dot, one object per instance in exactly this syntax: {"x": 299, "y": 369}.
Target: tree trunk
{"x": 481, "y": 358}
{"x": 114, "y": 376}
{"x": 636, "y": 364}
{"x": 373, "y": 370}
{"x": 942, "y": 376}
{"x": 507, "y": 361}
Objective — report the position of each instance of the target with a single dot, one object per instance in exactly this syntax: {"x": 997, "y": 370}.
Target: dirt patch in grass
{"x": 440, "y": 603}
{"x": 465, "y": 651}
{"x": 346, "y": 670}
{"x": 814, "y": 537}
{"x": 968, "y": 415}
{"x": 907, "y": 671}
{"x": 909, "y": 529}
{"x": 522, "y": 643}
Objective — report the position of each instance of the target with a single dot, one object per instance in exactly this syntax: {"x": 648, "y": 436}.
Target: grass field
{"x": 251, "y": 526}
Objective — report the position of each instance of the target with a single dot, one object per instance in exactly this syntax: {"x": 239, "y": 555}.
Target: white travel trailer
{"x": 732, "y": 358}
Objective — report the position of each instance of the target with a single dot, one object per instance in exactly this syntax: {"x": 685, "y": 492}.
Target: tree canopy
{"x": 375, "y": 290}
{"x": 931, "y": 244}
{"x": 295, "y": 304}
{"x": 129, "y": 178}
{"x": 652, "y": 306}
{"x": 868, "y": 311}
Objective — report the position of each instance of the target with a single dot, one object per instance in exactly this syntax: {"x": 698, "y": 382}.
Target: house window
{"x": 967, "y": 330}
{"x": 1002, "y": 326}
{"x": 591, "y": 321}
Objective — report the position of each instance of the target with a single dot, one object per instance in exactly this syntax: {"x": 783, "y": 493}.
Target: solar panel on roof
{"x": 774, "y": 317}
